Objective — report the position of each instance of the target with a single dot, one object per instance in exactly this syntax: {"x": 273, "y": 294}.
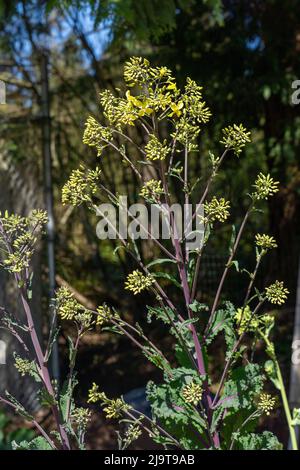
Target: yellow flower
{"x": 81, "y": 417}
{"x": 163, "y": 71}
{"x": 265, "y": 241}
{"x": 137, "y": 71}
{"x": 244, "y": 319}
{"x": 266, "y": 403}
{"x": 22, "y": 233}
{"x": 235, "y": 137}
{"x": 265, "y": 186}
{"x": 176, "y": 108}
{"x": 186, "y": 133}
{"x": 192, "y": 393}
{"x": 94, "y": 394}
{"x": 136, "y": 282}
{"x": 132, "y": 433}
{"x": 23, "y": 366}
{"x": 143, "y": 106}
{"x": 118, "y": 111}
{"x": 156, "y": 150}
{"x": 96, "y": 135}
{"x": 69, "y": 309}
{"x": 81, "y": 186}
{"x": 104, "y": 314}
{"x": 195, "y": 109}
{"x": 276, "y": 293}
{"x": 216, "y": 209}
{"x": 115, "y": 408}
{"x": 67, "y": 306}
{"x": 151, "y": 188}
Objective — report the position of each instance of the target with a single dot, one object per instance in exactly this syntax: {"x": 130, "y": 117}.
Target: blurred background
{"x": 55, "y": 57}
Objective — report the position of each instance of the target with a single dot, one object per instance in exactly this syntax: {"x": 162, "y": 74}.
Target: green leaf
{"x": 163, "y": 314}
{"x": 238, "y": 399}
{"x": 38, "y": 443}
{"x": 157, "y": 359}
{"x": 3, "y": 420}
{"x": 45, "y": 398}
{"x": 161, "y": 439}
{"x": 198, "y": 307}
{"x": 235, "y": 263}
{"x": 29, "y": 286}
{"x": 232, "y": 239}
{"x": 182, "y": 356}
{"x": 19, "y": 435}
{"x": 224, "y": 322}
{"x": 270, "y": 370}
{"x": 253, "y": 441}
{"x": 185, "y": 335}
{"x": 52, "y": 339}
{"x": 190, "y": 271}
{"x": 72, "y": 352}
{"x": 66, "y": 395}
{"x": 296, "y": 417}
{"x": 177, "y": 417}
{"x": 119, "y": 247}
{"x": 266, "y": 92}
{"x": 112, "y": 329}
{"x": 167, "y": 276}
{"x": 243, "y": 387}
{"x": 19, "y": 408}
{"x": 269, "y": 328}
{"x": 160, "y": 261}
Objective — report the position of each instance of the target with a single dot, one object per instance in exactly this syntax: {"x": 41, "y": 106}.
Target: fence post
{"x": 48, "y": 194}
{"x": 2, "y": 92}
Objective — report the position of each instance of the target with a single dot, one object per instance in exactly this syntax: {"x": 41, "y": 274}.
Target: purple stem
{"x": 43, "y": 368}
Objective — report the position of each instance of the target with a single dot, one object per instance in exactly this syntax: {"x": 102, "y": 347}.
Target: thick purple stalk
{"x": 44, "y": 369}
{"x": 198, "y": 349}
{"x": 186, "y": 292}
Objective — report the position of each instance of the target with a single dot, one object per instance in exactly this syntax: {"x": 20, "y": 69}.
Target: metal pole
{"x": 48, "y": 195}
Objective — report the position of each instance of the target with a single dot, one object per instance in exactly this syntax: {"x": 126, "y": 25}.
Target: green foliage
{"x": 169, "y": 407}
{"x": 141, "y": 20}
{"x": 164, "y": 314}
{"x": 224, "y": 321}
{"x": 156, "y": 358}
{"x": 270, "y": 370}
{"x": 296, "y": 416}
{"x": 38, "y": 443}
{"x": 251, "y": 441}
{"x": 244, "y": 385}
{"x": 239, "y": 401}
{"x": 9, "y": 438}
